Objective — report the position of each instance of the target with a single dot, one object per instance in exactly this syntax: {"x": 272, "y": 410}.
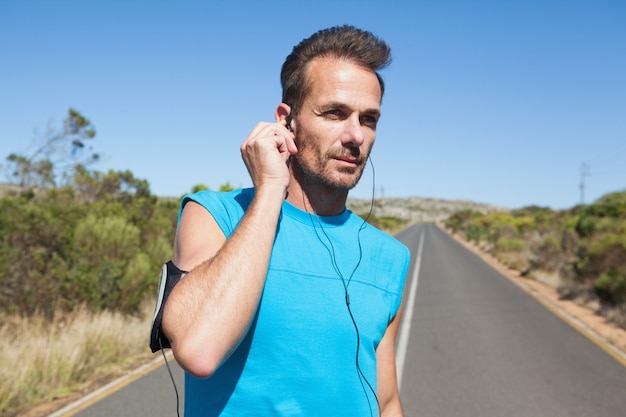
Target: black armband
{"x": 170, "y": 275}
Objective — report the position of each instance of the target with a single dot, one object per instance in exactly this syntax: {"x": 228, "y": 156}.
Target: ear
{"x": 282, "y": 112}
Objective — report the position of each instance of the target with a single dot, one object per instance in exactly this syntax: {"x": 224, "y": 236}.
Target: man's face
{"x": 336, "y": 126}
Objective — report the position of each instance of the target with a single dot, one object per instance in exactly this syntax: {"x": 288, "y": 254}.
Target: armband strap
{"x": 170, "y": 275}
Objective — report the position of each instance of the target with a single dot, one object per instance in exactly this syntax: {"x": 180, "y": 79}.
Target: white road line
{"x": 405, "y": 327}
{"x": 112, "y": 387}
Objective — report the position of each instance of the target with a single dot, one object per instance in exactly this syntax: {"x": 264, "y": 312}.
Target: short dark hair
{"x": 341, "y": 42}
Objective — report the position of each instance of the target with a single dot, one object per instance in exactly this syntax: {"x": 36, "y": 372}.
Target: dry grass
{"x": 41, "y": 359}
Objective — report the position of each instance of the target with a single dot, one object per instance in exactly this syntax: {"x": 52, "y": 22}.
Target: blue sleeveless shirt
{"x": 299, "y": 357}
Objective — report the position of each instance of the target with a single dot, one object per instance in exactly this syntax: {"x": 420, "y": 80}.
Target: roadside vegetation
{"x": 43, "y": 358}
{"x": 80, "y": 251}
{"x": 78, "y": 264}
{"x": 581, "y": 251}
{"x": 389, "y": 224}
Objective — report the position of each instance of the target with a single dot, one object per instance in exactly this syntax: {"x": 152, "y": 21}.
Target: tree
{"x": 226, "y": 187}
{"x": 91, "y": 186}
{"x": 56, "y": 154}
{"x": 199, "y": 187}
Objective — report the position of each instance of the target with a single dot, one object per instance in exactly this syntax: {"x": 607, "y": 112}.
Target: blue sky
{"x": 498, "y": 102}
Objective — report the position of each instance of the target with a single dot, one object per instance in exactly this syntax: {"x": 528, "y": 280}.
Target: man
{"x": 291, "y": 306}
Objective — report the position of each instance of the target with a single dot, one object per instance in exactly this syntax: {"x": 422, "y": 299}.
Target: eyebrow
{"x": 340, "y": 105}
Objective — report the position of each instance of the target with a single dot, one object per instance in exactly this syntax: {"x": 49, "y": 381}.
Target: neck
{"x": 320, "y": 199}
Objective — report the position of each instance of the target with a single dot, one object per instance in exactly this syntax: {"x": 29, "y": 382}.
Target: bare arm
{"x": 210, "y": 310}
{"x": 388, "y": 394}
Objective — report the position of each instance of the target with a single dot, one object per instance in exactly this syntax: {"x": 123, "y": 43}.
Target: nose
{"x": 354, "y": 136}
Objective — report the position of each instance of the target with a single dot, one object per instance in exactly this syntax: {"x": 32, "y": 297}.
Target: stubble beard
{"x": 319, "y": 172}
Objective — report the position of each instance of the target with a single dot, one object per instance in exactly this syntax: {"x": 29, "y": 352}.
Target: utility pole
{"x": 584, "y": 171}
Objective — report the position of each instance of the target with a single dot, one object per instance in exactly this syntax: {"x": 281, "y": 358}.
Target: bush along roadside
{"x": 582, "y": 250}
{"x": 68, "y": 246}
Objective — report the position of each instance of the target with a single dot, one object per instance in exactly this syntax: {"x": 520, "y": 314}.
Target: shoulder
{"x": 209, "y": 199}
{"x": 226, "y": 208}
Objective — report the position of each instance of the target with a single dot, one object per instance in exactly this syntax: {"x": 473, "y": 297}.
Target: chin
{"x": 348, "y": 181}
{"x": 333, "y": 179}
{"x": 344, "y": 184}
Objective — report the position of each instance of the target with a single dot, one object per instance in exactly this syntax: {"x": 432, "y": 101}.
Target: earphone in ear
{"x": 288, "y": 120}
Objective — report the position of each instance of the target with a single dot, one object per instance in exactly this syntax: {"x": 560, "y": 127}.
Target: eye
{"x": 369, "y": 121}
{"x": 334, "y": 114}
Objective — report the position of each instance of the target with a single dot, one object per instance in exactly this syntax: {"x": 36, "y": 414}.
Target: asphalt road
{"x": 480, "y": 346}
{"x": 474, "y": 345}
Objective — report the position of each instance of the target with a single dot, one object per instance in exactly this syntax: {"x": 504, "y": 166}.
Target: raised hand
{"x": 266, "y": 152}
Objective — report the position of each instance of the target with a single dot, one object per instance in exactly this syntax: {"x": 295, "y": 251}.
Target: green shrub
{"x": 524, "y": 224}
{"x": 607, "y": 242}
{"x": 459, "y": 221}
{"x": 611, "y": 287}
{"x": 106, "y": 238}
{"x": 474, "y": 233}
{"x": 387, "y": 223}
{"x": 510, "y": 245}
{"x": 547, "y": 254}
{"x": 569, "y": 243}
{"x": 538, "y": 218}
{"x": 586, "y": 225}
{"x": 612, "y": 206}
{"x": 61, "y": 250}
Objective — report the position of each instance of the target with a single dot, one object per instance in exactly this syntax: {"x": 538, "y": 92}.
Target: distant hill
{"x": 417, "y": 209}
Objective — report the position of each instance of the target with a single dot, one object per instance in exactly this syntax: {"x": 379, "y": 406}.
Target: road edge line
{"x": 405, "y": 326}
{"x": 103, "y": 392}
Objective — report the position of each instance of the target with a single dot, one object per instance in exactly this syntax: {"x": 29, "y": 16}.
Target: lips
{"x": 348, "y": 159}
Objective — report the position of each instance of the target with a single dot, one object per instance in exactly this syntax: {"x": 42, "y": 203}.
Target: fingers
{"x": 270, "y": 137}
{"x": 289, "y": 144}
{"x": 266, "y": 151}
